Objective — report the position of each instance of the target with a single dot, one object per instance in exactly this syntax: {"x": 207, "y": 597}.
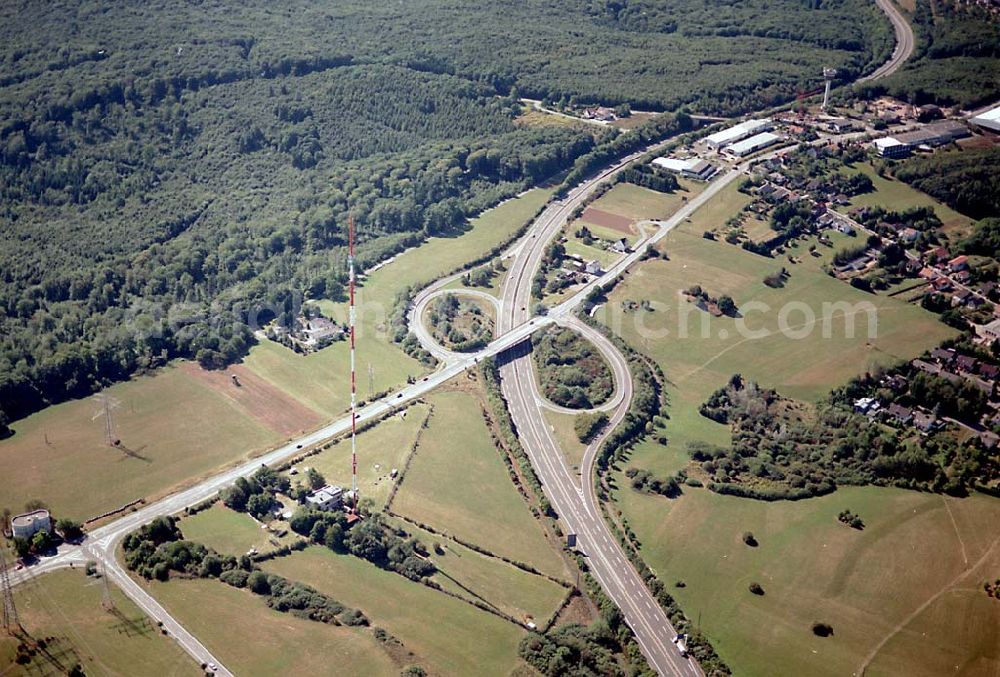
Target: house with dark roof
{"x": 945, "y": 355}
{"x": 989, "y": 371}
{"x": 900, "y": 413}
{"x": 966, "y": 364}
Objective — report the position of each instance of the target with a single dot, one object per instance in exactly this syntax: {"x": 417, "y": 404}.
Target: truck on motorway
{"x": 681, "y": 646}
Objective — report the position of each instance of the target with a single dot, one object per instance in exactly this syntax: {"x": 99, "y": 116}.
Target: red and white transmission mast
{"x": 354, "y": 389}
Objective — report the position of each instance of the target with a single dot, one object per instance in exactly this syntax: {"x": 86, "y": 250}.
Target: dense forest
{"x": 968, "y": 181}
{"x": 175, "y": 174}
{"x": 956, "y": 61}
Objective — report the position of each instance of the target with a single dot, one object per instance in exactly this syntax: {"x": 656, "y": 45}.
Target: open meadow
{"x": 912, "y": 578}
{"x": 174, "y": 425}
{"x": 868, "y": 584}
{"x": 805, "y": 338}
{"x": 64, "y": 609}
{"x": 896, "y": 195}
{"x": 380, "y": 449}
{"x": 448, "y": 635}
{"x": 252, "y": 639}
{"x": 458, "y": 484}
{"x": 229, "y": 532}
{"x": 479, "y": 578}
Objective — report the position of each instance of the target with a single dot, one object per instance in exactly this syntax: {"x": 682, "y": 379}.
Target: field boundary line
{"x": 961, "y": 542}
{"x": 920, "y": 609}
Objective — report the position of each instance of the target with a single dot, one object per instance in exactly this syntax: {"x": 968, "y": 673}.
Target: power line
{"x": 11, "y": 620}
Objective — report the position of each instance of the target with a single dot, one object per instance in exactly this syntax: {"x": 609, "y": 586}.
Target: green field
{"x": 477, "y": 577}
{"x": 66, "y": 606}
{"x": 251, "y": 639}
{"x": 812, "y": 567}
{"x": 896, "y": 195}
{"x": 229, "y": 532}
{"x": 380, "y": 449}
{"x": 450, "y": 636}
{"x": 813, "y": 354}
{"x": 589, "y": 252}
{"x": 458, "y": 484}
{"x": 322, "y": 380}
{"x": 866, "y": 584}
{"x": 638, "y": 203}
{"x": 178, "y": 427}
{"x": 714, "y": 214}
{"x": 561, "y": 427}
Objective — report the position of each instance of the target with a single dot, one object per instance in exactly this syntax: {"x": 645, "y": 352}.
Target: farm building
{"x": 738, "y": 132}
{"x": 753, "y": 144}
{"x": 990, "y": 120}
{"x": 30, "y": 523}
{"x": 692, "y": 168}
{"x": 328, "y": 497}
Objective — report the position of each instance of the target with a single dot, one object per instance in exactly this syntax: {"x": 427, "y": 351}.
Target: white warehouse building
{"x": 989, "y": 120}
{"x": 753, "y": 144}
{"x": 738, "y": 132}
{"x": 693, "y": 168}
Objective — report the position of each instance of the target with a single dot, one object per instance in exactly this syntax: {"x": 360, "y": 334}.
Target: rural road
{"x": 575, "y": 503}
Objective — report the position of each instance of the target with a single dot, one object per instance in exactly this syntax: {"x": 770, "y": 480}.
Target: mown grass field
{"x": 638, "y": 203}
{"x": 490, "y": 580}
{"x": 866, "y": 584}
{"x": 180, "y": 427}
{"x": 787, "y": 340}
{"x": 380, "y": 449}
{"x": 897, "y": 195}
{"x": 561, "y": 426}
{"x": 451, "y": 637}
{"x": 322, "y": 380}
{"x": 66, "y": 606}
{"x": 229, "y": 532}
{"x": 458, "y": 484}
{"x": 251, "y": 639}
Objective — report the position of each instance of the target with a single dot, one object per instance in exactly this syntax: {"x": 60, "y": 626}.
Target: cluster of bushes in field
{"x": 256, "y": 494}
{"x": 158, "y": 548}
{"x": 650, "y": 177}
{"x": 572, "y": 372}
{"x": 643, "y": 480}
{"x": 371, "y": 539}
{"x": 448, "y": 312}
{"x": 777, "y": 455}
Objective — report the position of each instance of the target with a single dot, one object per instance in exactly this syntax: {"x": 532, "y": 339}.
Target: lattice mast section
{"x": 354, "y": 386}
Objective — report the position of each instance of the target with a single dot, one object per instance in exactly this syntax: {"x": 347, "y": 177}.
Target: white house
{"x": 328, "y": 497}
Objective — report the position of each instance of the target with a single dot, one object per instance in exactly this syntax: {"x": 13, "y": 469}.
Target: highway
{"x": 904, "y": 43}
{"x": 574, "y": 500}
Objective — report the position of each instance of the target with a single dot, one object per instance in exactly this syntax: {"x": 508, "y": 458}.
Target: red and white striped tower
{"x": 354, "y": 389}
